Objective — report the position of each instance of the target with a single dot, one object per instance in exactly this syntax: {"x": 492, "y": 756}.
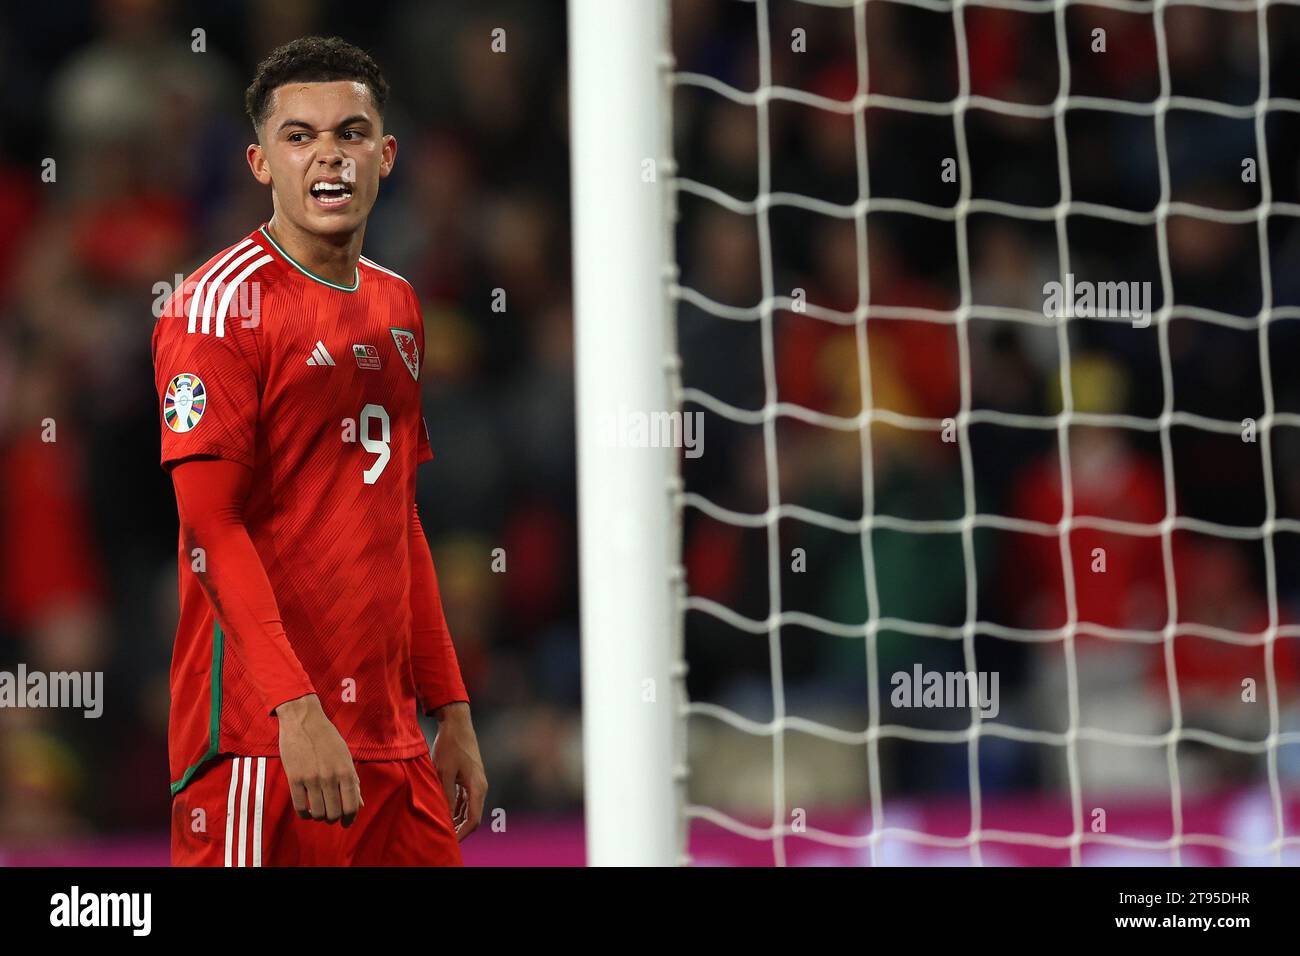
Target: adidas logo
{"x": 319, "y": 356}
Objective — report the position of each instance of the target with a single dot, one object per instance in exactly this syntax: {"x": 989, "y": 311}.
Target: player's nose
{"x": 329, "y": 151}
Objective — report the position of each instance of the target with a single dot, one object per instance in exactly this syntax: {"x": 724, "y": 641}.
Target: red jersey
{"x": 315, "y": 387}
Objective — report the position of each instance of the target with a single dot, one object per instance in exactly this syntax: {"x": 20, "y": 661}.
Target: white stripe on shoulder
{"x": 198, "y": 289}
{"x": 376, "y": 265}
{"x": 216, "y": 284}
{"x": 224, "y": 308}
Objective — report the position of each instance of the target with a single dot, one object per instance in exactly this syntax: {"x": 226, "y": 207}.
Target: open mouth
{"x": 331, "y": 195}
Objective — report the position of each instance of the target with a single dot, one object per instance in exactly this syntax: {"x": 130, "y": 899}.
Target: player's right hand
{"x": 322, "y": 778}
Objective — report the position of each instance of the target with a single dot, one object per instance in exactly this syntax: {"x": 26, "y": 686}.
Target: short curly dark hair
{"x": 312, "y": 60}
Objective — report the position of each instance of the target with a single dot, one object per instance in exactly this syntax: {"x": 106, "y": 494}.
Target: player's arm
{"x": 436, "y": 671}
{"x": 210, "y": 497}
{"x": 433, "y": 656}
{"x": 439, "y": 685}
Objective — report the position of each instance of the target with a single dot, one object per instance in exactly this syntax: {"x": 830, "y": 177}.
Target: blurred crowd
{"x": 146, "y": 137}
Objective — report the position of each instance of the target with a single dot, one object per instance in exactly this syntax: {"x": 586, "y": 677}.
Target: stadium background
{"x": 149, "y": 137}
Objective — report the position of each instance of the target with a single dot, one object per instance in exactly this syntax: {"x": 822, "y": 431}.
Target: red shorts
{"x": 238, "y": 812}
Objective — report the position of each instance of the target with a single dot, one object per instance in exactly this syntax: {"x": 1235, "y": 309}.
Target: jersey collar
{"x": 356, "y": 282}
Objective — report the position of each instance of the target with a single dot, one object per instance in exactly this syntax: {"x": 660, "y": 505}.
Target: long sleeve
{"x": 433, "y": 657}
{"x": 210, "y": 496}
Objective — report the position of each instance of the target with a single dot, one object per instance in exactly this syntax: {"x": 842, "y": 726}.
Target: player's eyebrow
{"x": 357, "y": 119}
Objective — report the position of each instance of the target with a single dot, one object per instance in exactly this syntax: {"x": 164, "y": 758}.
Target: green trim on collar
{"x": 307, "y": 272}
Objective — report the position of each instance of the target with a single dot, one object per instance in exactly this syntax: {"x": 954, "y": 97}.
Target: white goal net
{"x": 985, "y": 310}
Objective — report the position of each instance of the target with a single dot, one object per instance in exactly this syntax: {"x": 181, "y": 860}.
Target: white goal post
{"x": 627, "y": 534}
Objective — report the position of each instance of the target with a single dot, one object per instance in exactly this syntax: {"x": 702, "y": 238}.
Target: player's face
{"x": 323, "y": 152}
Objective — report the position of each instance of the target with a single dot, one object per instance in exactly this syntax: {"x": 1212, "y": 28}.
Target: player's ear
{"x": 257, "y": 163}
{"x": 389, "y": 155}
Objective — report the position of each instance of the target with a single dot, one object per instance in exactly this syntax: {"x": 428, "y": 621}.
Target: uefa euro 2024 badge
{"x": 184, "y": 402}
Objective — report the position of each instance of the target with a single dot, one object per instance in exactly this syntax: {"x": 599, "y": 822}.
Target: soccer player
{"x": 311, "y": 629}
